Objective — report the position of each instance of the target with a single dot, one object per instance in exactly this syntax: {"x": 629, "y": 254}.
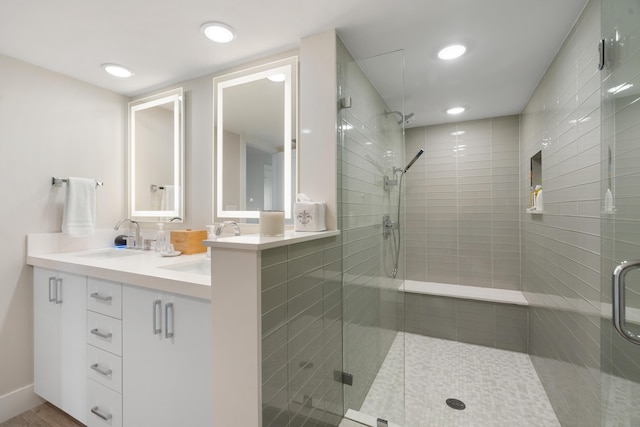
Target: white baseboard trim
{"x": 18, "y": 401}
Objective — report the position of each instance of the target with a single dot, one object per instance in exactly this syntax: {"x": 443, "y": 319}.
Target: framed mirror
{"x": 255, "y": 128}
{"x": 156, "y": 157}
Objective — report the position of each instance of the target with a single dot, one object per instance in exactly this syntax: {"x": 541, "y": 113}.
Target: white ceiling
{"x": 512, "y": 42}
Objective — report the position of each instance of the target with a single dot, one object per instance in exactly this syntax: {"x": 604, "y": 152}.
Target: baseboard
{"x": 18, "y": 401}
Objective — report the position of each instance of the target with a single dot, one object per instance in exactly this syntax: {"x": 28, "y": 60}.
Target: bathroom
{"x": 563, "y": 271}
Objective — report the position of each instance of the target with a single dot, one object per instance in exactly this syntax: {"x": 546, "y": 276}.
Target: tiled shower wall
{"x": 561, "y": 247}
{"x": 496, "y": 325}
{"x": 371, "y": 143}
{"x": 302, "y": 334}
{"x": 462, "y": 201}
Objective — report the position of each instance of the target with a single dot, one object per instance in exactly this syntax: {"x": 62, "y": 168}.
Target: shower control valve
{"x": 389, "y": 183}
{"x": 387, "y": 225}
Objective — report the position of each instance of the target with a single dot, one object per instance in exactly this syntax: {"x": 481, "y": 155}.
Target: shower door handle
{"x": 619, "y": 290}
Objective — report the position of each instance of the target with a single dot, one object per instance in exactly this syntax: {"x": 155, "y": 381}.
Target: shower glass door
{"x": 371, "y": 138}
{"x": 620, "y": 219}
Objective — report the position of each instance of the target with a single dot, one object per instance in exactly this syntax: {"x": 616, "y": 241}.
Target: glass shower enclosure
{"x": 371, "y": 143}
{"x": 620, "y": 219}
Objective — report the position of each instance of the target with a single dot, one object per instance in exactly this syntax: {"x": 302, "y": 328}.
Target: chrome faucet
{"x": 136, "y": 242}
{"x": 221, "y": 226}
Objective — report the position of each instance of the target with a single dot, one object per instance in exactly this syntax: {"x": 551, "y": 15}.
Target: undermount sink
{"x": 109, "y": 253}
{"x": 197, "y": 267}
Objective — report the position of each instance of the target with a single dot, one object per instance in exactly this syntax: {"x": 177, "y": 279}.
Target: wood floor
{"x": 44, "y": 415}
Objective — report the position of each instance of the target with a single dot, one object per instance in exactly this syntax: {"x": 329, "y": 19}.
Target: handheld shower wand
{"x": 416, "y": 157}
{"x": 389, "y": 183}
{"x": 389, "y": 227}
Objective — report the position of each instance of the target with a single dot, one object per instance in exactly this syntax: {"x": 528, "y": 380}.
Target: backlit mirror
{"x": 156, "y": 157}
{"x": 255, "y": 137}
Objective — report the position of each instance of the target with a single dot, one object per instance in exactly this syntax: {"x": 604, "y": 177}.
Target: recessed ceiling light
{"x": 117, "y": 70}
{"x": 218, "y": 32}
{"x": 458, "y": 133}
{"x": 456, "y": 110}
{"x": 280, "y": 77}
{"x": 452, "y": 52}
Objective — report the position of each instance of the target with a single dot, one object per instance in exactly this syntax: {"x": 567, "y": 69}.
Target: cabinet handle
{"x": 52, "y": 285}
{"x": 99, "y": 297}
{"x": 96, "y": 410}
{"x": 98, "y": 369}
{"x": 157, "y": 304}
{"x": 59, "y": 290}
{"x": 619, "y": 293}
{"x": 97, "y": 332}
{"x": 167, "y": 307}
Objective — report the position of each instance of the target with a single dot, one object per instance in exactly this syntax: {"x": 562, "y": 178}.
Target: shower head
{"x": 413, "y": 161}
{"x": 408, "y": 118}
{"x": 404, "y": 119}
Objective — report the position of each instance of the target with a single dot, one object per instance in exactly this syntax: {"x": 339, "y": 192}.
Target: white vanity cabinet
{"x": 104, "y": 353}
{"x": 60, "y": 354}
{"x": 166, "y": 359}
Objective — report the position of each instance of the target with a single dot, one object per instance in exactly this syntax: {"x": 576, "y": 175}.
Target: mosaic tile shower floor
{"x": 499, "y": 387}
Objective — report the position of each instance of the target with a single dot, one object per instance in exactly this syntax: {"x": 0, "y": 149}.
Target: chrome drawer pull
{"x": 52, "y": 285}
{"x": 157, "y": 304}
{"x": 96, "y": 410}
{"x": 59, "y": 290}
{"x": 98, "y": 369}
{"x": 99, "y": 297}
{"x": 97, "y": 332}
{"x": 168, "y": 307}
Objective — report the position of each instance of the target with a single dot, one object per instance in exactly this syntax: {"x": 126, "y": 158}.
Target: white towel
{"x": 79, "y": 216}
{"x": 168, "y": 198}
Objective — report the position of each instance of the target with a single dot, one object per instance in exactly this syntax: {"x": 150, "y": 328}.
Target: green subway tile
{"x": 274, "y": 275}
{"x": 302, "y": 265}
{"x": 273, "y": 256}
{"x": 301, "y": 249}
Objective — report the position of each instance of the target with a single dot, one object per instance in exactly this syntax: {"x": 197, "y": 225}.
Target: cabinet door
{"x": 60, "y": 353}
{"x": 72, "y": 345}
{"x": 45, "y": 335}
{"x": 167, "y": 379}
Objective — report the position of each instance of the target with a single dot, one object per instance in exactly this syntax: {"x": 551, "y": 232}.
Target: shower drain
{"x": 456, "y": 404}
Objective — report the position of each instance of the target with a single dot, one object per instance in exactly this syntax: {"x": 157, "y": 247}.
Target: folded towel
{"x": 79, "y": 216}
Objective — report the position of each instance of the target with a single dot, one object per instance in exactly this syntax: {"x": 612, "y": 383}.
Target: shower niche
{"x": 536, "y": 205}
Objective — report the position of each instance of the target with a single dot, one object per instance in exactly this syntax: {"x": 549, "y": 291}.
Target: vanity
{"x": 121, "y": 337}
{"x": 130, "y": 338}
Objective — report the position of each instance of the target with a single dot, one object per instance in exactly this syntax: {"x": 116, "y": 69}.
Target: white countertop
{"x": 256, "y": 242}
{"x": 142, "y": 268}
{"x": 145, "y": 268}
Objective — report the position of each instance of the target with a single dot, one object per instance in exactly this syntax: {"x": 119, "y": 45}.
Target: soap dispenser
{"x": 161, "y": 242}
{"x": 210, "y": 236}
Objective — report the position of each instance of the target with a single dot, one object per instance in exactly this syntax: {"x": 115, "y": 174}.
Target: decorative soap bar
{"x": 188, "y": 241}
{"x": 309, "y": 216}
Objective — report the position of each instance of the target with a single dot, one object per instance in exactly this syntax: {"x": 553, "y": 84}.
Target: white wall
{"x": 49, "y": 125}
{"x": 317, "y": 151}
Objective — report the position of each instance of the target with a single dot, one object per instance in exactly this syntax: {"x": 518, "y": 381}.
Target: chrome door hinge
{"x": 601, "y": 54}
{"x": 343, "y": 377}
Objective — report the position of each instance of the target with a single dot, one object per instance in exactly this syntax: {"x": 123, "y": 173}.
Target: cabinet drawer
{"x": 104, "y": 332}
{"x": 104, "y": 368}
{"x": 104, "y": 406}
{"x": 104, "y": 297}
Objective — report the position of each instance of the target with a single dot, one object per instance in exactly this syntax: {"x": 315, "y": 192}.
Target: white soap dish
{"x": 174, "y": 253}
